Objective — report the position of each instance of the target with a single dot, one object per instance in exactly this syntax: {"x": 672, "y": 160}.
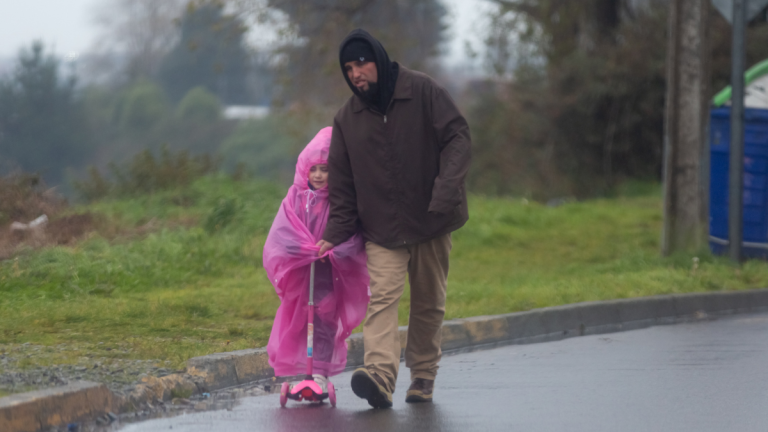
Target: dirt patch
{"x": 64, "y": 230}
{"x": 23, "y": 198}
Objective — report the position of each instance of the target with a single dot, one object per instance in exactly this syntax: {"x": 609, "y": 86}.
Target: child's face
{"x": 318, "y": 176}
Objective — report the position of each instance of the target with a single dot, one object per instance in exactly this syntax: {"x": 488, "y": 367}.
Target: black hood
{"x": 386, "y": 69}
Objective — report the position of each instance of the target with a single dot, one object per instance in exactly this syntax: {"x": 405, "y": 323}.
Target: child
{"x": 341, "y": 278}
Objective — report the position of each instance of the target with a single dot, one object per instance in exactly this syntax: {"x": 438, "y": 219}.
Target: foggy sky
{"x": 65, "y": 25}
{"x": 61, "y": 24}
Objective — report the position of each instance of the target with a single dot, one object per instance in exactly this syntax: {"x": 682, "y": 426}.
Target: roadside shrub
{"x": 146, "y": 173}
{"x": 96, "y": 186}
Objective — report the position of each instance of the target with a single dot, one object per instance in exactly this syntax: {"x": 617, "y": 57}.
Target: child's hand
{"x": 324, "y": 247}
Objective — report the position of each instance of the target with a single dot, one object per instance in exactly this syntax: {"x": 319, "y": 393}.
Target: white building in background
{"x": 245, "y": 112}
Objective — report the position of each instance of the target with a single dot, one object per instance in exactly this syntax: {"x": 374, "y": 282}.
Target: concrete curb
{"x": 560, "y": 322}
{"x": 42, "y": 409}
{"x": 222, "y": 370}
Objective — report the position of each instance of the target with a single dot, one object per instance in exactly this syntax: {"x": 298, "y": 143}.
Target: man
{"x": 399, "y": 154}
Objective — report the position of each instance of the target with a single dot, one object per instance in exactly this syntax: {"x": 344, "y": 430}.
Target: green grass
{"x": 172, "y": 294}
{"x": 181, "y": 291}
{"x": 514, "y": 256}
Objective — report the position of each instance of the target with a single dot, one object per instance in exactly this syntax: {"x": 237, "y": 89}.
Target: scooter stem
{"x": 310, "y": 319}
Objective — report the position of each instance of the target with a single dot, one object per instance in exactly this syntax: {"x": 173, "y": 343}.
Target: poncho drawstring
{"x": 311, "y": 198}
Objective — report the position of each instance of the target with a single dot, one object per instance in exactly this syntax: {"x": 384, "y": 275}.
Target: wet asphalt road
{"x": 704, "y": 376}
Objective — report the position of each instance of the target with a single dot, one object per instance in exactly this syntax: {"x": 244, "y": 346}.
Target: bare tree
{"x": 308, "y": 33}
{"x": 686, "y": 153}
{"x": 134, "y": 36}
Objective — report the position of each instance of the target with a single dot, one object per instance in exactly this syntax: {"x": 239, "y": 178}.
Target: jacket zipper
{"x": 405, "y": 242}
{"x": 387, "y": 110}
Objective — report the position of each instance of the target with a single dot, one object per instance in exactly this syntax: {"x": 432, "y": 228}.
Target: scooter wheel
{"x": 332, "y": 394}
{"x": 284, "y": 389}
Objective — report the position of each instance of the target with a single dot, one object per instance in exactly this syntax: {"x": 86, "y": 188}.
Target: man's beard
{"x": 372, "y": 94}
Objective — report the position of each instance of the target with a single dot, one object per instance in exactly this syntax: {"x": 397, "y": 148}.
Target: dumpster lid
{"x": 755, "y": 92}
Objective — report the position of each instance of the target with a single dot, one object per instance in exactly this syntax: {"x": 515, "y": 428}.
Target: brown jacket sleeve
{"x": 342, "y": 220}
{"x": 455, "y": 143}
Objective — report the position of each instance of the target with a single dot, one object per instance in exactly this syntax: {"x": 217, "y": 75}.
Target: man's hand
{"x": 324, "y": 247}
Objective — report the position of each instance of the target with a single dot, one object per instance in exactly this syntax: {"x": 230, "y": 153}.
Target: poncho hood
{"x": 316, "y": 152}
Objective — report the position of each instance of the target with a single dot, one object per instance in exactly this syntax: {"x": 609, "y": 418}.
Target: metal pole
{"x": 736, "y": 181}
{"x": 312, "y": 284}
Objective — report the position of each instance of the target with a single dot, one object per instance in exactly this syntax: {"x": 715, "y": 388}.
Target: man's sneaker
{"x": 322, "y": 381}
{"x": 420, "y": 391}
{"x": 372, "y": 388}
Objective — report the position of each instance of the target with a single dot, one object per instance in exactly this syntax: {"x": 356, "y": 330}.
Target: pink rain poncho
{"x": 341, "y": 282}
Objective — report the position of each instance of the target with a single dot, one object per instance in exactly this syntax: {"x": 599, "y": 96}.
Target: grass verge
{"x": 195, "y": 287}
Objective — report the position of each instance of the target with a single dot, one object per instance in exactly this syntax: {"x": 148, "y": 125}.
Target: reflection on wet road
{"x": 705, "y": 376}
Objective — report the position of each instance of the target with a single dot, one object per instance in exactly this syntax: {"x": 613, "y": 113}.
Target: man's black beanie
{"x": 357, "y": 50}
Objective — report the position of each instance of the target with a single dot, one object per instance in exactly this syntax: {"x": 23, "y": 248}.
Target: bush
{"x": 264, "y": 148}
{"x": 140, "y": 118}
{"x": 199, "y": 105}
{"x": 145, "y": 173}
{"x": 143, "y": 108}
{"x": 95, "y": 187}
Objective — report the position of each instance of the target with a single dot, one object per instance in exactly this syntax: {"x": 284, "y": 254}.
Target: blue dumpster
{"x": 755, "y": 181}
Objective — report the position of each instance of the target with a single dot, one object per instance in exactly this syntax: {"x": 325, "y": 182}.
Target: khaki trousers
{"x": 427, "y": 267}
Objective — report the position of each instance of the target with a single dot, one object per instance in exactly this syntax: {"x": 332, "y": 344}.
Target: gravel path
{"x": 19, "y": 374}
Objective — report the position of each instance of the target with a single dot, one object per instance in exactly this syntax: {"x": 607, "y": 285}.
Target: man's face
{"x": 362, "y": 74}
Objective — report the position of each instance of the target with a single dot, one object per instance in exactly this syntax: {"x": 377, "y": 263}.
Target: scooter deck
{"x": 307, "y": 390}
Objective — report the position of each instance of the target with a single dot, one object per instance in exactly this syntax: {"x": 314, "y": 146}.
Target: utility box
{"x": 755, "y": 241}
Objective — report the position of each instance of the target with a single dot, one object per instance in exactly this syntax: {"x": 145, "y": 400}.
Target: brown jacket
{"x": 400, "y": 176}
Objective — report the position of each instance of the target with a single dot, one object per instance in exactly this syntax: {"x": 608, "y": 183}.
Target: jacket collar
{"x": 403, "y": 90}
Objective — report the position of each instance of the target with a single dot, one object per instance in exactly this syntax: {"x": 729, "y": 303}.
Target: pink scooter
{"x": 308, "y": 389}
